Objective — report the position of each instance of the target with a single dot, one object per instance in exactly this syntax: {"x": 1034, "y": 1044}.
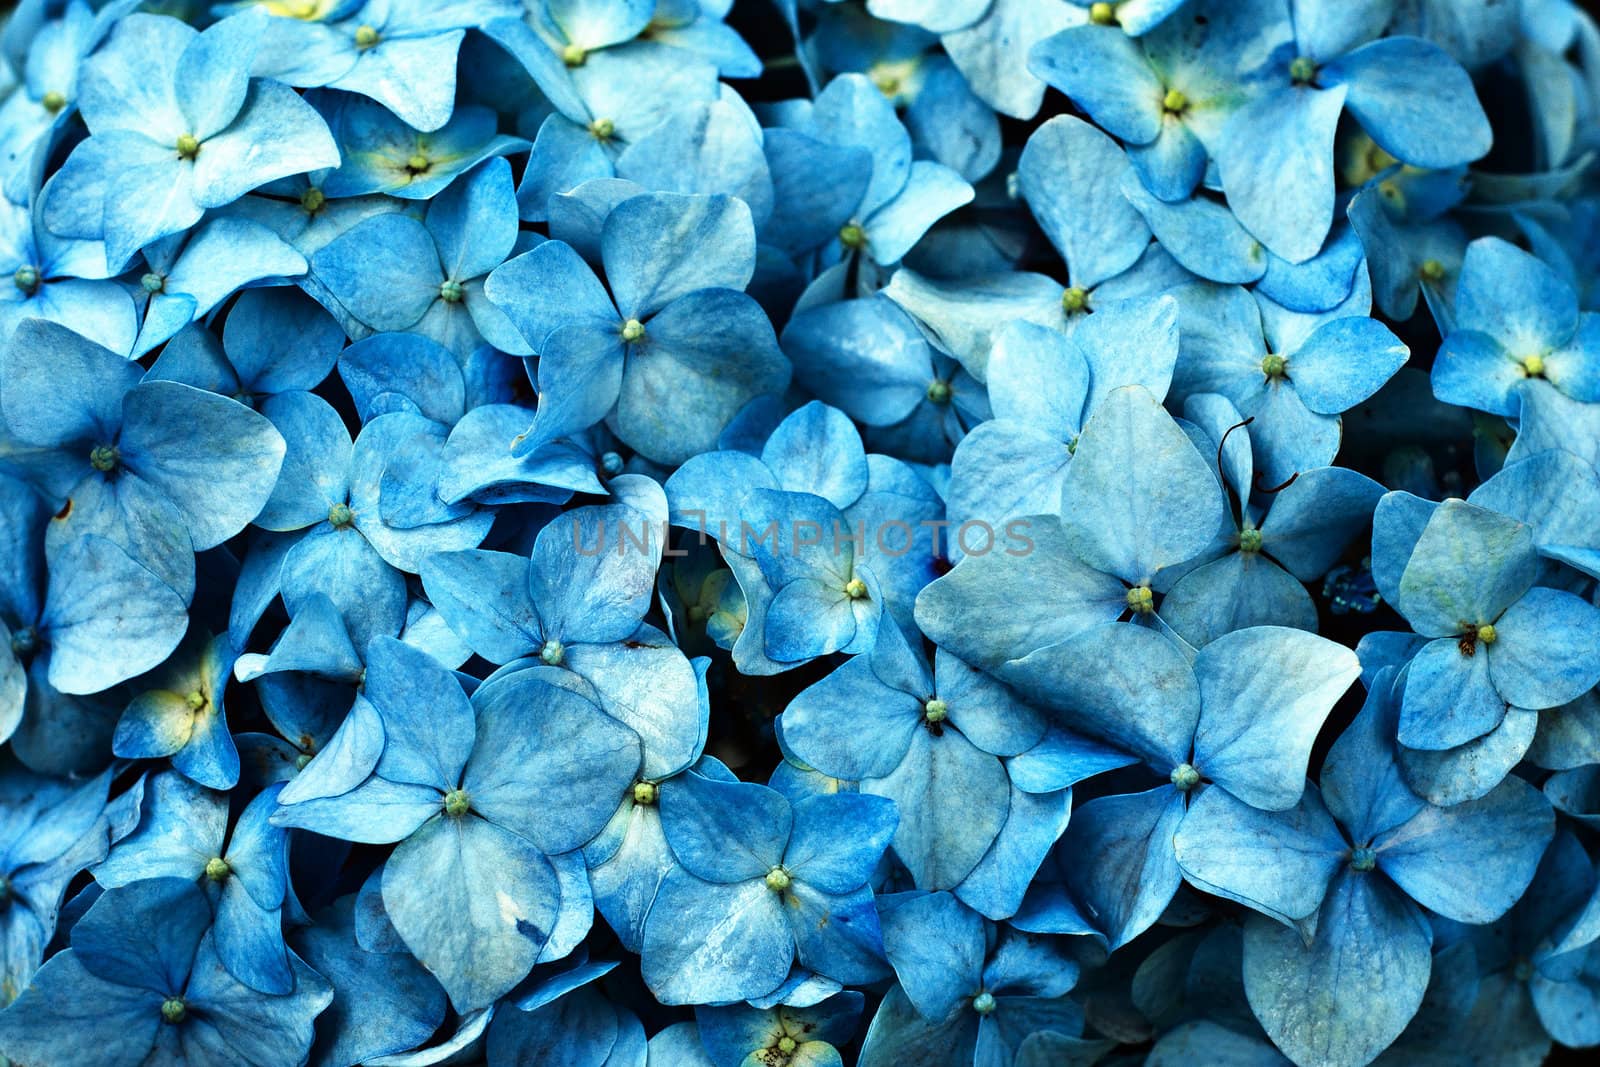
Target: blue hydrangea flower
{"x": 1138, "y": 503}
{"x": 1293, "y": 373}
{"x": 469, "y": 888}
{"x": 177, "y": 126}
{"x": 1275, "y": 154}
{"x": 672, "y": 353}
{"x": 181, "y": 834}
{"x": 392, "y": 272}
{"x": 772, "y": 880}
{"x": 1515, "y": 319}
{"x": 61, "y": 280}
{"x": 929, "y": 740}
{"x": 965, "y": 993}
{"x": 142, "y": 982}
{"x": 1221, "y": 723}
{"x": 181, "y": 716}
{"x": 1496, "y": 639}
{"x": 274, "y": 341}
{"x": 1340, "y": 880}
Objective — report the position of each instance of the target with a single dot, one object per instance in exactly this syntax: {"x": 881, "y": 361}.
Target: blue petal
{"x": 1440, "y": 126}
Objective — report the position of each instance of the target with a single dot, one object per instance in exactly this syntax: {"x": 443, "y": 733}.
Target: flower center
{"x": 173, "y": 1010}
{"x": 778, "y": 879}
{"x": 984, "y": 1003}
{"x": 1102, "y": 14}
{"x": 217, "y": 869}
{"x": 312, "y": 201}
{"x": 1185, "y": 777}
{"x": 553, "y": 653}
{"x": 366, "y": 37}
{"x": 1533, "y": 366}
{"x": 1274, "y": 366}
{"x": 53, "y": 101}
{"x": 1303, "y": 70}
{"x": 1141, "y": 601}
{"x": 188, "y": 146}
{"x": 939, "y": 392}
{"x": 935, "y": 710}
{"x": 341, "y": 516}
{"x": 24, "y": 641}
{"x": 787, "y": 1045}
{"x": 1250, "y": 540}
{"x": 1174, "y": 103}
{"x": 153, "y": 283}
{"x": 450, "y": 292}
{"x": 632, "y": 330}
{"x": 418, "y": 163}
{"x": 103, "y": 458}
{"x": 852, "y": 235}
{"x": 645, "y": 793}
{"x": 1486, "y": 633}
{"x": 1363, "y": 859}
{"x": 574, "y": 55}
{"x": 855, "y": 589}
{"x": 611, "y": 464}
{"x": 1432, "y": 271}
{"x": 456, "y": 802}
{"x": 195, "y": 700}
{"x": 1074, "y": 300}
{"x": 27, "y": 279}
{"x": 602, "y": 129}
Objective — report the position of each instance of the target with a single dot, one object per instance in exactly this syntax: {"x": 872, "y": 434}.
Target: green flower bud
{"x": 1274, "y": 366}
{"x": 312, "y": 200}
{"x": 602, "y": 129}
{"x": 632, "y": 330}
{"x": 1102, "y": 14}
{"x": 778, "y": 879}
{"x": 984, "y": 1003}
{"x": 418, "y": 163}
{"x": 1074, "y": 300}
{"x": 153, "y": 283}
{"x": 1363, "y": 859}
{"x": 341, "y": 516}
{"x": 939, "y": 392}
{"x": 366, "y": 37}
{"x": 1486, "y": 633}
{"x": 574, "y": 55}
{"x": 188, "y": 146}
{"x": 1533, "y": 366}
{"x": 53, "y": 102}
{"x": 1174, "y": 102}
{"x": 217, "y": 869}
{"x": 301, "y": 760}
{"x": 456, "y": 802}
{"x": 787, "y": 1045}
{"x": 611, "y": 464}
{"x": 1432, "y": 271}
{"x": 173, "y": 1010}
{"x": 1185, "y": 777}
{"x": 451, "y": 292}
{"x": 1141, "y": 601}
{"x": 1303, "y": 70}
{"x": 27, "y": 279}
{"x": 855, "y": 589}
{"x": 645, "y": 793}
{"x": 103, "y": 458}
{"x": 195, "y": 700}
{"x": 935, "y": 710}
{"x": 1250, "y": 540}
{"x": 553, "y": 653}
{"x": 852, "y": 235}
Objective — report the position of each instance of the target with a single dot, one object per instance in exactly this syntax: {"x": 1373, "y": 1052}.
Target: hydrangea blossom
{"x": 672, "y": 533}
